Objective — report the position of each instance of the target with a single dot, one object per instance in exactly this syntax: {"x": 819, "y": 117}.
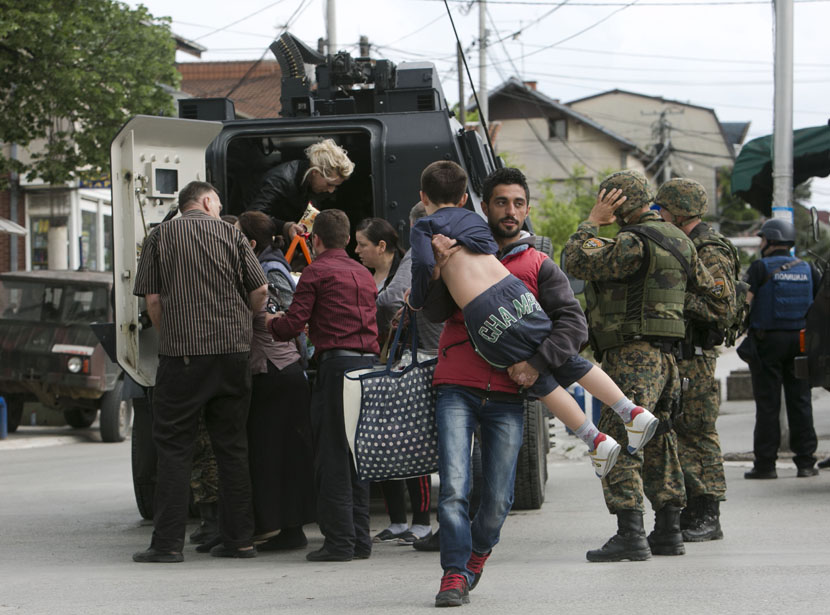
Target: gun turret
{"x": 347, "y": 85}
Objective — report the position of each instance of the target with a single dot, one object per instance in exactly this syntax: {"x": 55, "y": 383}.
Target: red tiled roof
{"x": 253, "y": 86}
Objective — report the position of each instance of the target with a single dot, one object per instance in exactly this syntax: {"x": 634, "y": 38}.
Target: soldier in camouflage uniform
{"x": 635, "y": 303}
{"x": 682, "y": 202}
{"x": 204, "y": 484}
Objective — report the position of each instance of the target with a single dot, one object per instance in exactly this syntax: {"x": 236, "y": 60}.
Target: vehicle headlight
{"x": 74, "y": 364}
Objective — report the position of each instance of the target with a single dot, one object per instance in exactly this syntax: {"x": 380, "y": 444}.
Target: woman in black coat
{"x": 288, "y": 188}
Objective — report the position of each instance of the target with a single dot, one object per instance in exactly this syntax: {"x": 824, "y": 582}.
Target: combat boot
{"x": 629, "y": 543}
{"x": 708, "y": 528}
{"x": 692, "y": 514}
{"x": 666, "y": 539}
{"x": 209, "y": 527}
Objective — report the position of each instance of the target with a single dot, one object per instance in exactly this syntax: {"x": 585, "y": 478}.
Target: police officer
{"x": 682, "y": 202}
{"x": 636, "y": 295}
{"x": 781, "y": 289}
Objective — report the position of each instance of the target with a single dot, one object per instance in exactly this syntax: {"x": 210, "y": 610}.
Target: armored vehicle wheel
{"x": 116, "y": 414}
{"x": 80, "y": 417}
{"x": 143, "y": 457}
{"x": 532, "y": 468}
{"x": 14, "y": 410}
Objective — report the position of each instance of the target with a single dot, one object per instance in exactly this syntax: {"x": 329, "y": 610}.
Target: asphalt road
{"x": 68, "y": 526}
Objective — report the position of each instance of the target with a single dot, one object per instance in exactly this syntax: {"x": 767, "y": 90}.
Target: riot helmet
{"x": 777, "y": 230}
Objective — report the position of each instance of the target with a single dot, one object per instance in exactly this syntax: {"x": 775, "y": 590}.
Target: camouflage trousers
{"x": 649, "y": 378}
{"x": 204, "y": 477}
{"x": 697, "y": 438}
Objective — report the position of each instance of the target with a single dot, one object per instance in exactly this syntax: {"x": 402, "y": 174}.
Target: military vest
{"x": 647, "y": 305}
{"x": 782, "y": 301}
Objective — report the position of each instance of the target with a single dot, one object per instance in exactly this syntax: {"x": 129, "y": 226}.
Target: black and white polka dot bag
{"x": 396, "y": 436}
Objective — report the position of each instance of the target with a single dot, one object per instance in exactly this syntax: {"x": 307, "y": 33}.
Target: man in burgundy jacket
{"x": 336, "y": 297}
{"x": 471, "y": 393}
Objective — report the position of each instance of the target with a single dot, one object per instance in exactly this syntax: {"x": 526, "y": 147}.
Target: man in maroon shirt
{"x": 336, "y": 297}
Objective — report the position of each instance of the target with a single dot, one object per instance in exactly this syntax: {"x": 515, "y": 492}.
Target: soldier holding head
{"x": 637, "y": 295}
{"x": 781, "y": 289}
{"x": 683, "y": 202}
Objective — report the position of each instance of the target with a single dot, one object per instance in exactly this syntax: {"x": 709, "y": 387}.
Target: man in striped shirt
{"x": 202, "y": 284}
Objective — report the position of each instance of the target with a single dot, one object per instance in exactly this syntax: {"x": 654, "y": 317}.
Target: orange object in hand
{"x": 299, "y": 238}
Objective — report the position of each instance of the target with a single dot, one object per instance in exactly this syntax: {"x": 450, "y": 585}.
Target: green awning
{"x": 752, "y": 173}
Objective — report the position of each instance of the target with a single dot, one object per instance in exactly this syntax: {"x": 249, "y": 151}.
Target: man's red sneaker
{"x": 476, "y": 566}
{"x": 454, "y": 590}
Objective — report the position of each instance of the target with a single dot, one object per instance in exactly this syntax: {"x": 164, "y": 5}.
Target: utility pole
{"x": 462, "y": 105}
{"x": 661, "y": 131}
{"x": 665, "y": 132}
{"x": 364, "y": 46}
{"x": 331, "y": 27}
{"x": 482, "y": 65}
{"x": 782, "y": 132}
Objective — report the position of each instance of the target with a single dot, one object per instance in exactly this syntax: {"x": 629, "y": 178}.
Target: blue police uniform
{"x": 783, "y": 289}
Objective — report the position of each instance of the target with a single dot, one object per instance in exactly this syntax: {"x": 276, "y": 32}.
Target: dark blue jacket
{"x": 463, "y": 225}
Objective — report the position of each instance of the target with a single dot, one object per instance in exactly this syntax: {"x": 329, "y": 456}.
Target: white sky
{"x": 713, "y": 53}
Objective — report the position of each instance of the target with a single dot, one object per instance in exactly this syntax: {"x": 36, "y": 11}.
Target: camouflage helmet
{"x": 683, "y": 197}
{"x": 634, "y": 186}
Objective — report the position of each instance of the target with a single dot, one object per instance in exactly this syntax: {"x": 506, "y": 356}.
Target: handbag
{"x": 395, "y": 434}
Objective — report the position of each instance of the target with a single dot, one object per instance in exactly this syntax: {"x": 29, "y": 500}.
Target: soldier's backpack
{"x": 737, "y": 326}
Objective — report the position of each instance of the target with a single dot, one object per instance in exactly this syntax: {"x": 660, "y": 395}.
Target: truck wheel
{"x": 532, "y": 468}
{"x": 143, "y": 457}
{"x": 14, "y": 412}
{"x": 116, "y": 414}
{"x": 80, "y": 417}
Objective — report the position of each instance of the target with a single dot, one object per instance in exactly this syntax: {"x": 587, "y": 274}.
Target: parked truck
{"x": 50, "y": 354}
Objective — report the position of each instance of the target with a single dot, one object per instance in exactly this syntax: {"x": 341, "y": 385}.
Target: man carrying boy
{"x": 336, "y": 297}
{"x": 471, "y": 391}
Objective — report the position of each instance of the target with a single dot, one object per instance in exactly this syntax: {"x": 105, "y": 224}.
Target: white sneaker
{"x": 604, "y": 456}
{"x": 640, "y": 428}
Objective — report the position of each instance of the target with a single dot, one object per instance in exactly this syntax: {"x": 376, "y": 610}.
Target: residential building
{"x": 550, "y": 140}
{"x": 685, "y": 140}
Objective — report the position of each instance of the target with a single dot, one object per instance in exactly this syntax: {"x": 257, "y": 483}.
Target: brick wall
{"x": 5, "y": 239}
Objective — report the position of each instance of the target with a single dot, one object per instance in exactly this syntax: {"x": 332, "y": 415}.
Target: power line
{"x": 651, "y": 56}
{"x": 583, "y": 31}
{"x": 659, "y": 4}
{"x": 233, "y": 23}
{"x": 414, "y": 32}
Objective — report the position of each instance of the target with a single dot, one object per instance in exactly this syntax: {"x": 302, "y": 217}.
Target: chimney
{"x": 531, "y": 85}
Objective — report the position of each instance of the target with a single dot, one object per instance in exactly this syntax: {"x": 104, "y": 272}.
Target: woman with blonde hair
{"x": 287, "y": 189}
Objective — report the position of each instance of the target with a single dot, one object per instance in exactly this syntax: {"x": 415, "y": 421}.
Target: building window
{"x": 557, "y": 128}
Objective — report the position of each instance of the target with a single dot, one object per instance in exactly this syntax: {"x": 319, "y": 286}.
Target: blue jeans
{"x": 458, "y": 413}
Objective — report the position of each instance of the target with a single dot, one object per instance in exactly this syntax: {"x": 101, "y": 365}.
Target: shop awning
{"x": 752, "y": 173}
{"x": 13, "y": 228}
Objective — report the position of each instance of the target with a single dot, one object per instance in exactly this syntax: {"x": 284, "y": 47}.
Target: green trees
{"x": 71, "y": 73}
{"x": 559, "y": 209}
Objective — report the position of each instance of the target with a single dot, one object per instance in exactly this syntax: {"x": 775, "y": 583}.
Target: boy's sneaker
{"x": 387, "y": 536}
{"x": 476, "y": 565}
{"x": 604, "y": 455}
{"x": 640, "y": 429}
{"x": 454, "y": 590}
